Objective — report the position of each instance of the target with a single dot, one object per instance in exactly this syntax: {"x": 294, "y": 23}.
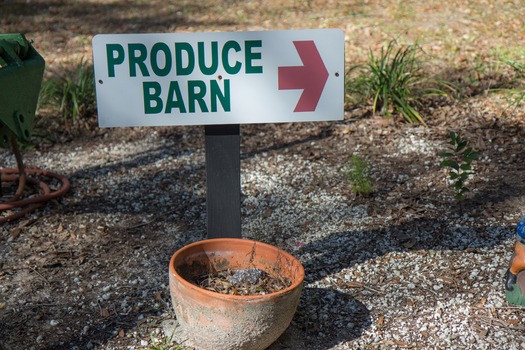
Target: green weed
{"x": 357, "y": 173}
{"x": 164, "y": 344}
{"x": 394, "y": 81}
{"x": 72, "y": 94}
{"x": 458, "y": 158}
{"x": 518, "y": 94}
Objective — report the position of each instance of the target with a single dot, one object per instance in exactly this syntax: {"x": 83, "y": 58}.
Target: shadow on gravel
{"x": 326, "y": 317}
{"x": 138, "y": 180}
{"x": 363, "y": 246}
{"x": 134, "y": 304}
{"x": 420, "y": 234}
{"x": 338, "y": 317}
{"x": 132, "y": 194}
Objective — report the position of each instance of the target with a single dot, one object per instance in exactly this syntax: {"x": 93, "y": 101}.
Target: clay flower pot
{"x": 211, "y": 320}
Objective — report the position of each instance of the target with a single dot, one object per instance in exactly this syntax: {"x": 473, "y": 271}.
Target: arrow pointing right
{"x": 311, "y": 76}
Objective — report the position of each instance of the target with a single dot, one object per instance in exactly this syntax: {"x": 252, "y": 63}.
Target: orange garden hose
{"x": 27, "y": 205}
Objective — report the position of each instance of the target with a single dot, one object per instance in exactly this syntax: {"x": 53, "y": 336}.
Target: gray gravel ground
{"x": 380, "y": 273}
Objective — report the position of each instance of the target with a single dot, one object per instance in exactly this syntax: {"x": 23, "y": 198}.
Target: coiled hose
{"x": 23, "y": 206}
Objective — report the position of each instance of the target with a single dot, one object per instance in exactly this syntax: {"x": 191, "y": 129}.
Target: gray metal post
{"x": 223, "y": 180}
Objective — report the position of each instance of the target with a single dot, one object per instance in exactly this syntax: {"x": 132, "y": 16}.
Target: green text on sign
{"x": 155, "y": 102}
{"x": 182, "y": 60}
{"x": 161, "y": 58}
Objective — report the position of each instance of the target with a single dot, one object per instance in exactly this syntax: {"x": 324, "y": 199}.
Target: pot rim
{"x": 298, "y": 283}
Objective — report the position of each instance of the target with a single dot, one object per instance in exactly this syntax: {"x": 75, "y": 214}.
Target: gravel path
{"x": 403, "y": 268}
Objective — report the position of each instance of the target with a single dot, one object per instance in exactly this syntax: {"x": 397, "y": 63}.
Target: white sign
{"x": 219, "y": 78}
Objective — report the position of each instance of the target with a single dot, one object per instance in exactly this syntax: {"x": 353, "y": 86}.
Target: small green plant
{"x": 72, "y": 94}
{"x": 357, "y": 173}
{"x": 519, "y": 69}
{"x": 165, "y": 344}
{"x": 458, "y": 159}
{"x": 394, "y": 81}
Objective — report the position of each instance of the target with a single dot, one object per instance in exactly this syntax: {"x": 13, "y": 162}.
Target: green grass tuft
{"x": 519, "y": 93}
{"x": 72, "y": 94}
{"x": 394, "y": 81}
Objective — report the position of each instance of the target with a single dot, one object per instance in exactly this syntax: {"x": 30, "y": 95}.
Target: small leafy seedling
{"x": 357, "y": 174}
{"x": 458, "y": 159}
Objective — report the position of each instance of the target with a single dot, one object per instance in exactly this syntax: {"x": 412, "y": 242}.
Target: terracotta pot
{"x": 210, "y": 320}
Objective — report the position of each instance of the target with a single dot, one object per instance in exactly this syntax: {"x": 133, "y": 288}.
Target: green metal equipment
{"x": 21, "y": 73}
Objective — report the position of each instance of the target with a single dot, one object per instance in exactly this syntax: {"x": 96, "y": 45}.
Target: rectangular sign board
{"x": 219, "y": 78}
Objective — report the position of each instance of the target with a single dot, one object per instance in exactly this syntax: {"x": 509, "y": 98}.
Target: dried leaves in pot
{"x": 250, "y": 281}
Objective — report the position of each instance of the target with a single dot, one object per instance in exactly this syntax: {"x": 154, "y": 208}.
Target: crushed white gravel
{"x": 412, "y": 279}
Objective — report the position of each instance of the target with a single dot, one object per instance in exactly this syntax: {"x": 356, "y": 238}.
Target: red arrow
{"x": 311, "y": 76}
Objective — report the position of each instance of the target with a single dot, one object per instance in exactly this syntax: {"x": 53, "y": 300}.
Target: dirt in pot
{"x": 250, "y": 281}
